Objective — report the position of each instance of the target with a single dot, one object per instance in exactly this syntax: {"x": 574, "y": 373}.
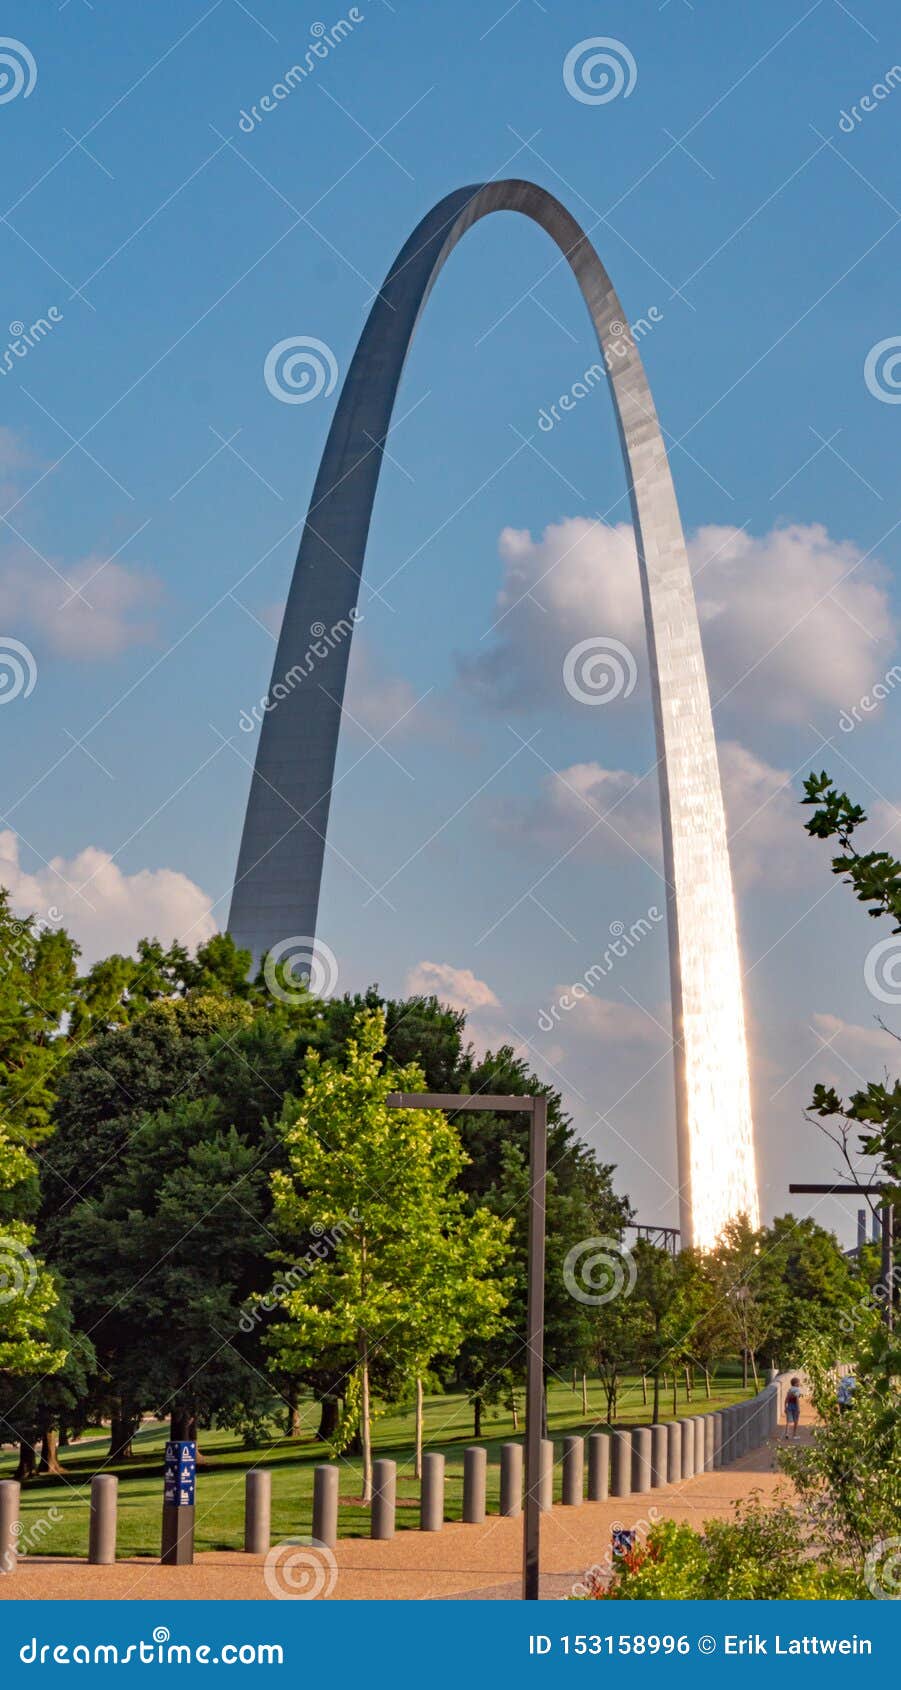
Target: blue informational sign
{"x": 180, "y": 1475}
{"x": 623, "y": 1541}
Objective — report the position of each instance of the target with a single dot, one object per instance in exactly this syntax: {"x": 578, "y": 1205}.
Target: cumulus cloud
{"x": 616, "y": 813}
{"x": 103, "y": 908}
{"x": 456, "y": 986}
{"x": 611, "y": 1020}
{"x": 792, "y": 621}
{"x": 95, "y": 610}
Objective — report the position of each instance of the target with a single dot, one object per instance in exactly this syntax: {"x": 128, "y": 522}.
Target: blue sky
{"x": 146, "y": 466}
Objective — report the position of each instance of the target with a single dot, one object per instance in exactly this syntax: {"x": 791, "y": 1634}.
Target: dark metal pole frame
{"x": 887, "y": 1218}
{"x": 536, "y": 1109}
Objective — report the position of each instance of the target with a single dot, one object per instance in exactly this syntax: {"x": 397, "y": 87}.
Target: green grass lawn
{"x": 55, "y": 1511}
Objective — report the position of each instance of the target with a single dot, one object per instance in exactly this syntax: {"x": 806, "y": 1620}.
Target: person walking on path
{"x": 845, "y": 1392}
{"x": 792, "y": 1409}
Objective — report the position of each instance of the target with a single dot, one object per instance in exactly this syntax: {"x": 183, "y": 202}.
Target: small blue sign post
{"x": 178, "y": 1504}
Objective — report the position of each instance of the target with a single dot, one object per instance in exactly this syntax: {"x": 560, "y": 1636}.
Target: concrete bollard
{"x": 717, "y": 1419}
{"x": 688, "y": 1448}
{"x": 700, "y": 1444}
{"x": 102, "y": 1523}
{"x": 658, "y": 1455}
{"x": 673, "y": 1452}
{"x": 325, "y": 1505}
{"x": 708, "y": 1443}
{"x": 384, "y": 1499}
{"x": 475, "y": 1474}
{"x": 431, "y": 1496}
{"x": 573, "y": 1471}
{"x": 641, "y": 1459}
{"x": 546, "y": 1476}
{"x": 511, "y": 1480}
{"x": 598, "y": 1466}
{"x": 621, "y": 1483}
{"x": 9, "y": 1524}
{"x": 257, "y": 1512}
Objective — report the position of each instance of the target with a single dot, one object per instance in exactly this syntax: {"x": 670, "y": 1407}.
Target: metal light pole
{"x": 887, "y": 1217}
{"x": 536, "y": 1109}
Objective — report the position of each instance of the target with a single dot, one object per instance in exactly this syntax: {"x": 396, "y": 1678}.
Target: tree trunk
{"x": 183, "y": 1429}
{"x": 656, "y": 1414}
{"x": 644, "y": 1390}
{"x": 754, "y": 1370}
{"x": 292, "y": 1419}
{"x": 365, "y": 1424}
{"x": 515, "y": 1411}
{"x": 675, "y": 1397}
{"x": 28, "y": 1460}
{"x": 417, "y": 1457}
{"x": 744, "y": 1368}
{"x": 584, "y": 1395}
{"x": 707, "y": 1381}
{"x": 687, "y": 1386}
{"x": 574, "y": 1382}
{"x": 329, "y": 1415}
{"x": 122, "y": 1430}
{"x": 49, "y": 1461}
{"x": 477, "y": 1417}
{"x": 64, "y": 1436}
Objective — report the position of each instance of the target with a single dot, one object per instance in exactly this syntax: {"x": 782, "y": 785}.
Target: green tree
{"x": 412, "y": 1272}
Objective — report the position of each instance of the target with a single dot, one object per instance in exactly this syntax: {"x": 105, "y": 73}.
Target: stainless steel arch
{"x": 276, "y": 892}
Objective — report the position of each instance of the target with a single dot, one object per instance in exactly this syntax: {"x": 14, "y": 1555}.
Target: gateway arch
{"x": 276, "y": 892}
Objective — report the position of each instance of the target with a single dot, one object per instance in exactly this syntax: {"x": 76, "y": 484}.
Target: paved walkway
{"x": 459, "y": 1562}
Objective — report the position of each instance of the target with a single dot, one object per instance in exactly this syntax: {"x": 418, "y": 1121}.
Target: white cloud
{"x": 793, "y": 622}
{"x": 104, "y": 909}
{"x": 456, "y": 986}
{"x": 610, "y": 1021}
{"x": 97, "y": 610}
{"x": 377, "y": 701}
{"x": 618, "y": 813}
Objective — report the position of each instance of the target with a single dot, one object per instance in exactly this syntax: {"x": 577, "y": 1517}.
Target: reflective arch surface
{"x": 276, "y": 893}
